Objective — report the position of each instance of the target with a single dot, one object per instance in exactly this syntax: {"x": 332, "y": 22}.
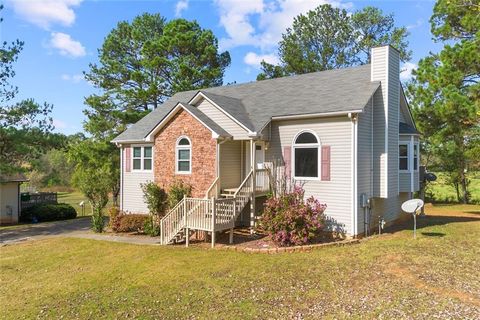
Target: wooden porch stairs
{"x": 210, "y": 215}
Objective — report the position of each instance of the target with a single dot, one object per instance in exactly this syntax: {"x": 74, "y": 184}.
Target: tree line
{"x": 145, "y": 61}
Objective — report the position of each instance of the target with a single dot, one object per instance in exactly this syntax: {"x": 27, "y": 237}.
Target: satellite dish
{"x": 82, "y": 203}
{"x": 412, "y": 206}
{"x": 430, "y": 176}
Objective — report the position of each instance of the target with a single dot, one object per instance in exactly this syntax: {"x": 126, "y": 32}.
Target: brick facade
{"x": 203, "y": 154}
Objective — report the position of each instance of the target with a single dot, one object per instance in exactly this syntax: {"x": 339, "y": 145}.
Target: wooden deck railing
{"x": 30, "y": 199}
{"x": 214, "y": 189}
{"x": 172, "y": 223}
{"x": 211, "y": 214}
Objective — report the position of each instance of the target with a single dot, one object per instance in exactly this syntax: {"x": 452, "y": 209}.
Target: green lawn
{"x": 444, "y": 192}
{"x": 74, "y": 199}
{"x": 391, "y": 276}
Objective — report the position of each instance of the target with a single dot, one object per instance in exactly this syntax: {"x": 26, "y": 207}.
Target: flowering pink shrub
{"x": 290, "y": 220}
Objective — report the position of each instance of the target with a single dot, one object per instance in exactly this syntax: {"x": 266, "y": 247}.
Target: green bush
{"x": 129, "y": 223}
{"x": 151, "y": 227}
{"x": 155, "y": 197}
{"x": 113, "y": 213}
{"x": 177, "y": 191}
{"x": 48, "y": 212}
{"x": 98, "y": 222}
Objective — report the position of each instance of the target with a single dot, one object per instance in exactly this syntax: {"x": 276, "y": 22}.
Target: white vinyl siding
{"x": 365, "y": 178}
{"x": 335, "y": 132}
{"x": 230, "y": 164}
{"x": 224, "y": 121}
{"x": 393, "y": 111}
{"x": 131, "y": 194}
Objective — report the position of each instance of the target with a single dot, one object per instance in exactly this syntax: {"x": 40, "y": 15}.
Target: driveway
{"x": 76, "y": 228}
{"x": 46, "y": 229}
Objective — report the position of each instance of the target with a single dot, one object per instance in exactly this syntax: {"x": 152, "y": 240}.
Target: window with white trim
{"x": 183, "y": 158}
{"x": 403, "y": 157}
{"x": 142, "y": 158}
{"x": 306, "y": 156}
{"x": 415, "y": 157}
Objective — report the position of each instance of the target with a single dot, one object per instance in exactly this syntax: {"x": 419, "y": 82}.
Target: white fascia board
{"x": 200, "y": 95}
{"x": 316, "y": 115}
{"x": 170, "y": 115}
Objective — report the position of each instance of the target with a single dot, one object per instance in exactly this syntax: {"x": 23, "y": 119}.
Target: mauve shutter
{"x": 326, "y": 163}
{"x": 127, "y": 158}
{"x": 287, "y": 159}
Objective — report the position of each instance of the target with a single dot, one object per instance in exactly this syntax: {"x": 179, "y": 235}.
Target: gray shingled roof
{"x": 255, "y": 103}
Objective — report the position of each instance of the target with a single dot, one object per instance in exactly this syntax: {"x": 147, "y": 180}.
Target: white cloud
{"x": 253, "y": 59}
{"x": 75, "y": 78}
{"x": 44, "y": 13}
{"x": 260, "y": 22}
{"x": 66, "y": 45}
{"x": 417, "y": 24}
{"x": 181, "y": 6}
{"x": 406, "y": 71}
{"x": 59, "y": 124}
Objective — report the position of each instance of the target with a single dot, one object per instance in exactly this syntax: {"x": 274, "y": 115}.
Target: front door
{"x": 260, "y": 155}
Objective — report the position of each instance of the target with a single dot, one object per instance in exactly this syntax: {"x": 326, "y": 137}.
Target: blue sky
{"x": 62, "y": 37}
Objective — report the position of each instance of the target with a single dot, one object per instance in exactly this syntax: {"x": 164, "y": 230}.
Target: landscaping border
{"x": 304, "y": 248}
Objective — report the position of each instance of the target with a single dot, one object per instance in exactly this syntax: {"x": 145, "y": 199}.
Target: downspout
{"x": 354, "y": 118}
{"x": 412, "y": 169}
{"x": 121, "y": 177}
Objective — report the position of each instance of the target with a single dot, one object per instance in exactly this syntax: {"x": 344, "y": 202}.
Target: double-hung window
{"x": 183, "y": 155}
{"x": 403, "y": 163}
{"x": 306, "y": 156}
{"x": 142, "y": 158}
{"x": 415, "y": 157}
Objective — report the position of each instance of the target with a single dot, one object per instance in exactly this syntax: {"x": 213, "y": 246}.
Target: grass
{"x": 74, "y": 199}
{"x": 388, "y": 276}
{"x": 444, "y": 192}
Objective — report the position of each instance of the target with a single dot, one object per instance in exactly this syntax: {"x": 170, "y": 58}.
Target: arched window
{"x": 183, "y": 151}
{"x": 306, "y": 156}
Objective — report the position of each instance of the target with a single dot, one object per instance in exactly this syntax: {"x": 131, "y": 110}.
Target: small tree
{"x": 92, "y": 184}
{"x": 92, "y": 175}
{"x": 178, "y": 190}
{"x": 157, "y": 203}
{"x": 155, "y": 197}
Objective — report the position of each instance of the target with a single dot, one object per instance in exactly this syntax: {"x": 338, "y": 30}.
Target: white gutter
{"x": 316, "y": 115}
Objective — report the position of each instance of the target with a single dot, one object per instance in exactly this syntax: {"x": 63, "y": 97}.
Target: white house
{"x": 347, "y": 135}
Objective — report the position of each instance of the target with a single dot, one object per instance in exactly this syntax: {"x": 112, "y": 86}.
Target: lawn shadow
{"x": 473, "y": 212}
{"x": 434, "y": 234}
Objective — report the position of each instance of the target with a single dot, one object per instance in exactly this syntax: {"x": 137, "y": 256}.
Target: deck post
{"x": 230, "y": 240}
{"x": 253, "y": 155}
{"x": 185, "y": 219}
{"x": 161, "y": 232}
{"x": 187, "y": 237}
{"x": 214, "y": 212}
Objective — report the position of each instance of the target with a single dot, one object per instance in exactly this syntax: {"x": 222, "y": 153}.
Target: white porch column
{"x": 253, "y": 163}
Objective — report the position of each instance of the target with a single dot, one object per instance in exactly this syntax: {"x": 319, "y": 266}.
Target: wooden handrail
{"x": 213, "y": 185}
{"x": 243, "y": 183}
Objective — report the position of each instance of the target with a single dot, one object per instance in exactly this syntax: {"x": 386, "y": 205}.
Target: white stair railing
{"x": 243, "y": 193}
{"x": 199, "y": 213}
{"x": 214, "y": 189}
{"x": 172, "y": 223}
